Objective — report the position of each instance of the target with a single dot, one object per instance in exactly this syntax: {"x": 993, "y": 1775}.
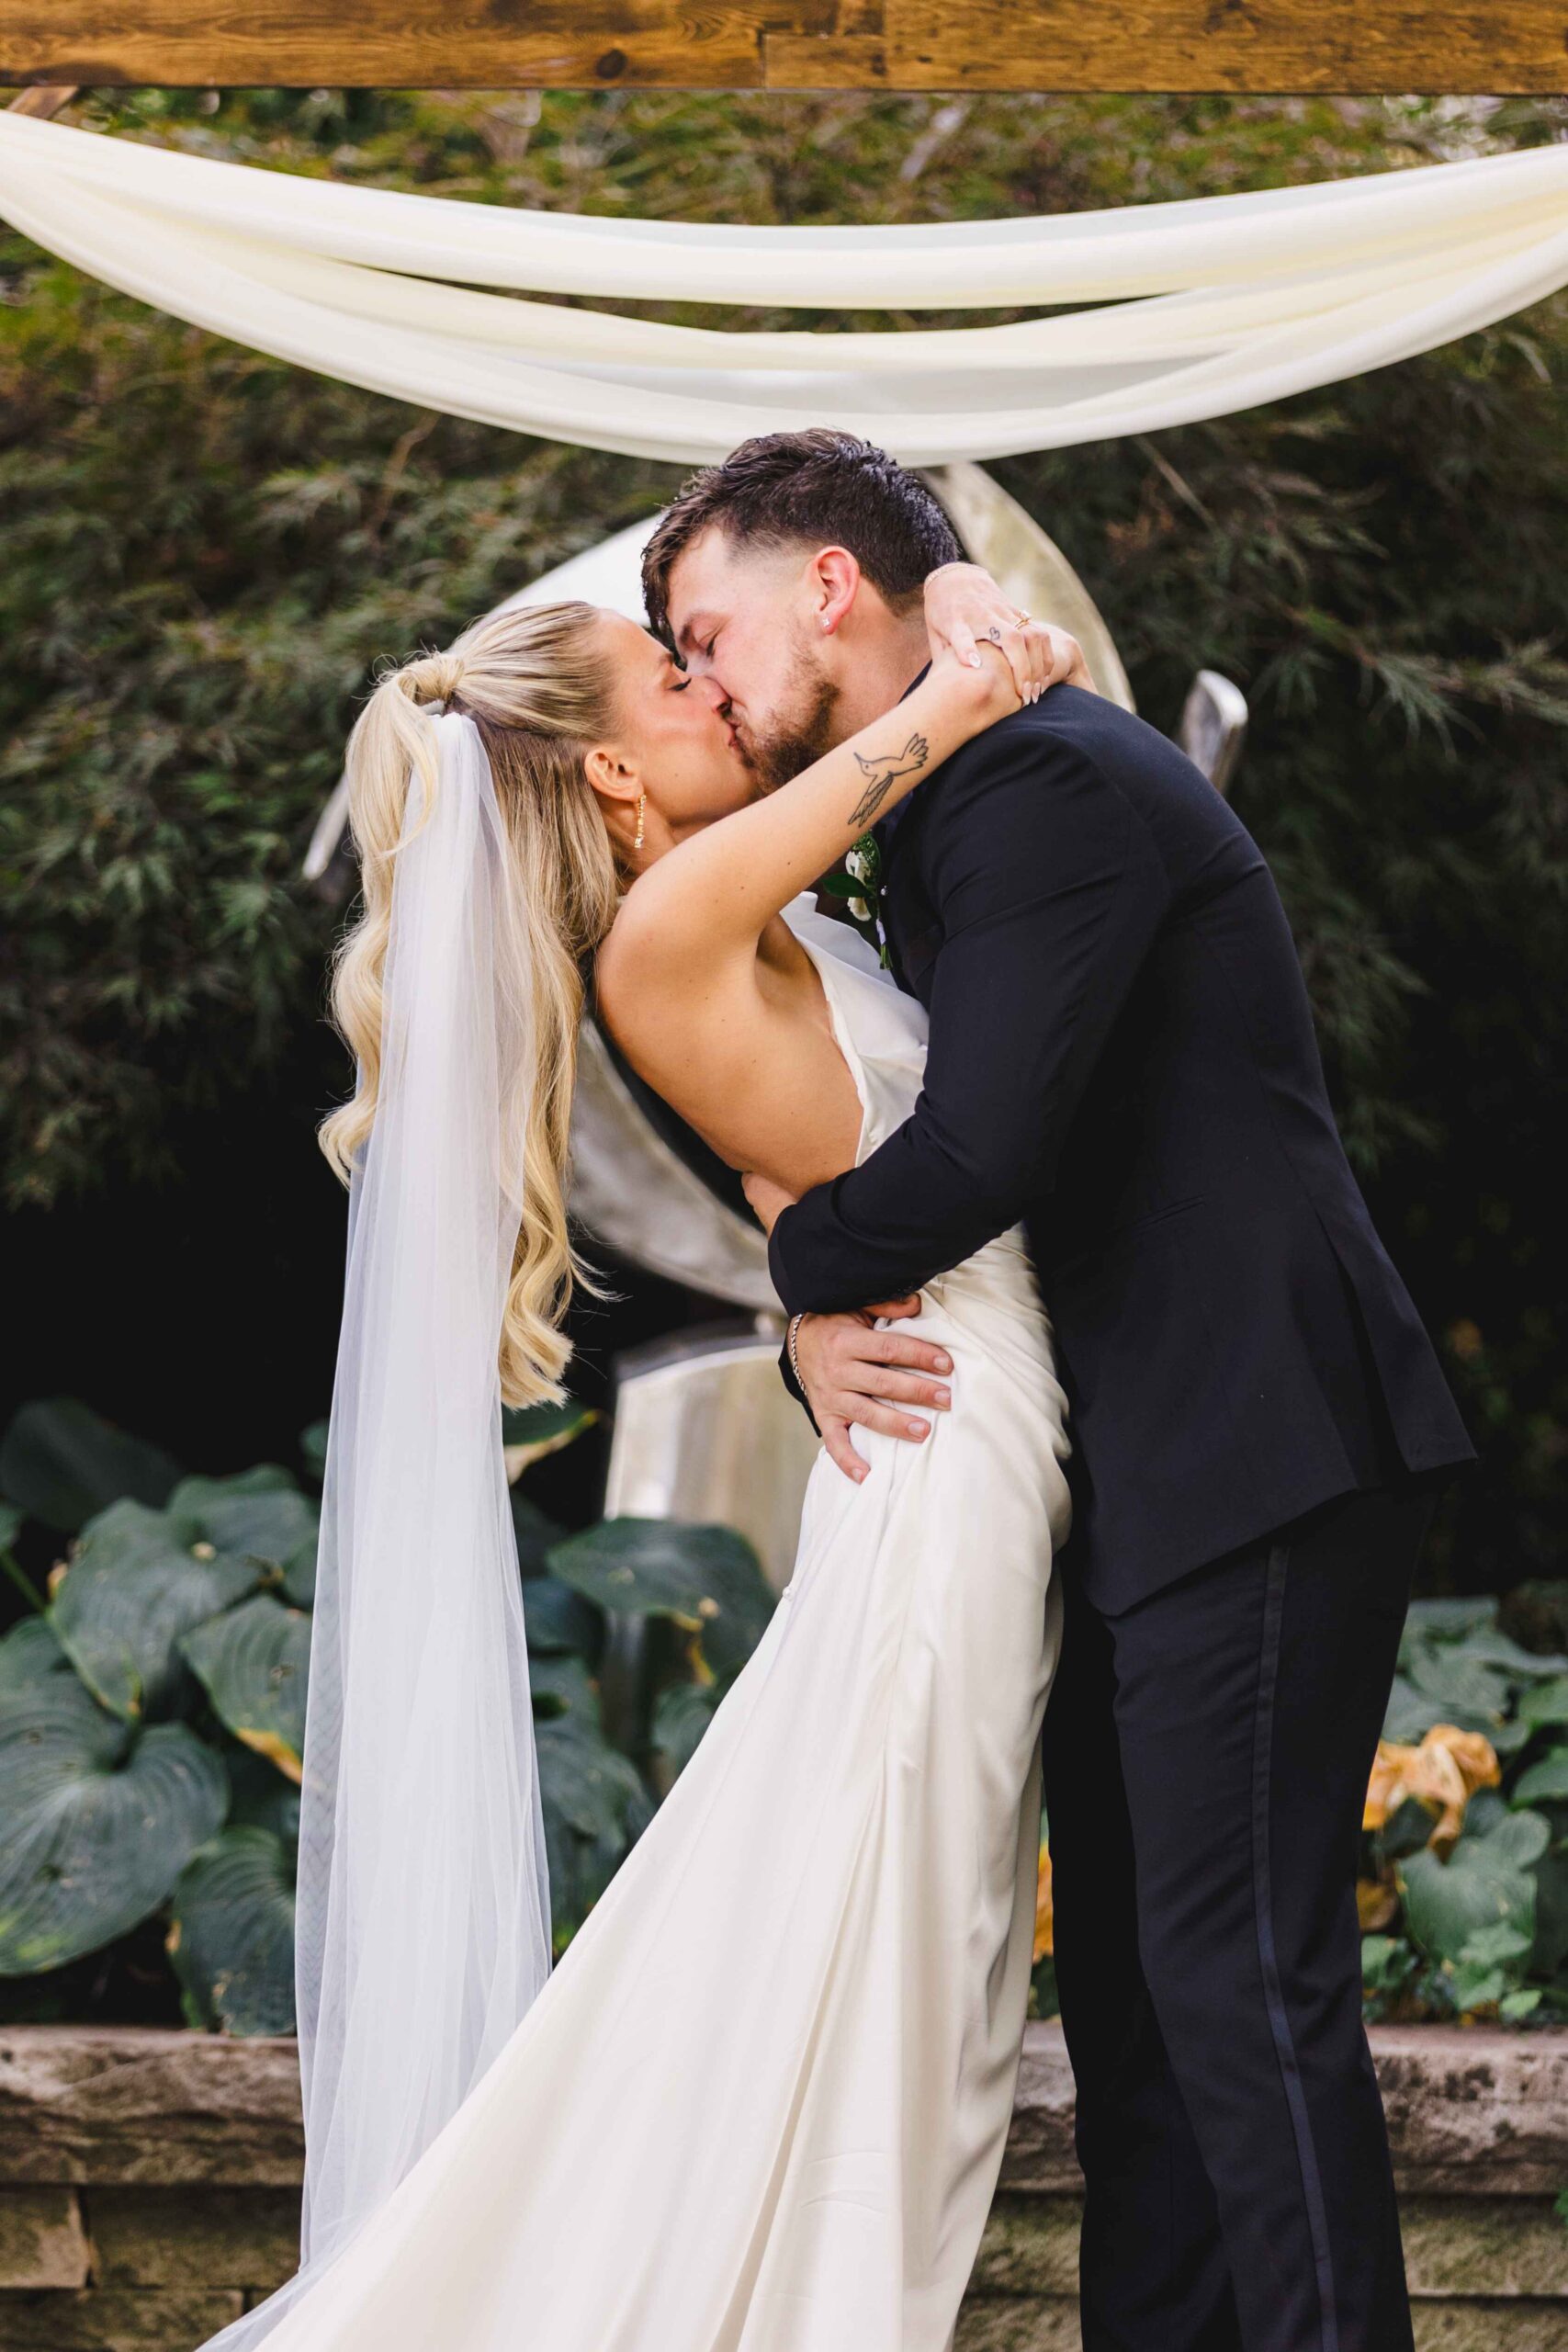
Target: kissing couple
{"x": 1123, "y": 1407}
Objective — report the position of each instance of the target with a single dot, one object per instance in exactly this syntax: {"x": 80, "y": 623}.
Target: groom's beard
{"x": 788, "y": 748}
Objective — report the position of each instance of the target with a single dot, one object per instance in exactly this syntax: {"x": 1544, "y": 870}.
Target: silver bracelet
{"x": 790, "y": 1333}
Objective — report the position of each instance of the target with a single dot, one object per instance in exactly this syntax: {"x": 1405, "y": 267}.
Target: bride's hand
{"x": 965, "y": 607}
{"x": 976, "y": 694}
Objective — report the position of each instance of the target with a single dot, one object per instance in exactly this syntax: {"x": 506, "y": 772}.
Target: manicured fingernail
{"x": 943, "y": 1401}
{"x": 915, "y": 1428}
{"x": 974, "y": 660}
{"x": 943, "y": 1363}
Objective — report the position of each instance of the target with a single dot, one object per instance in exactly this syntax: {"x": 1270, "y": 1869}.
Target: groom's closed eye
{"x": 697, "y": 646}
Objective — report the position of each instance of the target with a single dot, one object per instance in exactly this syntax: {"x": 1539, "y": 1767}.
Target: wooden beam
{"x": 42, "y": 100}
{"x": 1357, "y": 45}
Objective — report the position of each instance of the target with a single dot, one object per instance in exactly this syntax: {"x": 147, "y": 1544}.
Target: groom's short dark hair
{"x": 820, "y": 487}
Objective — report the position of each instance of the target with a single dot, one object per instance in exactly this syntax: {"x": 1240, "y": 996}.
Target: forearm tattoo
{"x": 882, "y": 772}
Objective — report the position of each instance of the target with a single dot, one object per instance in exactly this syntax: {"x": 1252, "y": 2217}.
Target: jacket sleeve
{"x": 1049, "y": 889}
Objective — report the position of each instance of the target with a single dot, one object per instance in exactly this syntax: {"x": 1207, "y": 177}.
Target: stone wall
{"x": 149, "y": 2185}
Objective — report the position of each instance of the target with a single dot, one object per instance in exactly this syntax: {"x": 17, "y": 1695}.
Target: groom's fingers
{"x": 894, "y": 1310}
{"x": 879, "y": 1348}
{"x": 836, "y": 1438}
{"x": 891, "y": 1388}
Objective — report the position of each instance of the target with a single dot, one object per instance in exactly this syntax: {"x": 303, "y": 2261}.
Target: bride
{"x": 760, "y": 2103}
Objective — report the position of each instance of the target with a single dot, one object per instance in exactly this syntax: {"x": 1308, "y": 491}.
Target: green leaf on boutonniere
{"x": 858, "y": 882}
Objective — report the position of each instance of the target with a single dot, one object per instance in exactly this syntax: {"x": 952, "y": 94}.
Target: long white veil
{"x": 423, "y": 1929}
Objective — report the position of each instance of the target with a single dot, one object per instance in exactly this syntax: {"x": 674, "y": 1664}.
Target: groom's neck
{"x": 880, "y": 663}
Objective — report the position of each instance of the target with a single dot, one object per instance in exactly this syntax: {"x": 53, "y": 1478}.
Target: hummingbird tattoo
{"x": 880, "y": 773}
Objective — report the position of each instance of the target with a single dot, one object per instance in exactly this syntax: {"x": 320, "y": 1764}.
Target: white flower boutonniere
{"x": 858, "y": 882}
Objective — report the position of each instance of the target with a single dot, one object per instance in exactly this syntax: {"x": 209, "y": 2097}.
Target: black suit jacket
{"x": 1122, "y": 1055}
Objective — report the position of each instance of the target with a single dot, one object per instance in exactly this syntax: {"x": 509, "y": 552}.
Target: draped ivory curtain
{"x": 1164, "y": 312}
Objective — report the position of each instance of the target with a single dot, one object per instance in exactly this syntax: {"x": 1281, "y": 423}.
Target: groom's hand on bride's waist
{"x": 852, "y": 1374}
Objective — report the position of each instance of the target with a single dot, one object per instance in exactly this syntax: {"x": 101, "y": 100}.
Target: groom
{"x": 1122, "y": 1055}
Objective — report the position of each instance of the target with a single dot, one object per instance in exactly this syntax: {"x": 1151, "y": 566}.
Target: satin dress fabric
{"x": 762, "y": 2101}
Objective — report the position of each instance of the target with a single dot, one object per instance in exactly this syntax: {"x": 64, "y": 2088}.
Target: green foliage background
{"x": 207, "y": 551}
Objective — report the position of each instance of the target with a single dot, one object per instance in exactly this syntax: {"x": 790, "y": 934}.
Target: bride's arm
{"x": 711, "y": 894}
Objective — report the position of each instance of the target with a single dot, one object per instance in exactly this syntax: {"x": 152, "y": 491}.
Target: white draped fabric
{"x": 1164, "y": 314}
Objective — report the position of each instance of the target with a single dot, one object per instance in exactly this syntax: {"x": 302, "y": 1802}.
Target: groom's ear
{"x": 833, "y": 582}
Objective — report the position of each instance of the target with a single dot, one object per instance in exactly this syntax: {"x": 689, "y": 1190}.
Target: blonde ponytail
{"x": 537, "y": 683}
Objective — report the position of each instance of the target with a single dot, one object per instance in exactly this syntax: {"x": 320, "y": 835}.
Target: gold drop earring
{"x": 641, "y": 805}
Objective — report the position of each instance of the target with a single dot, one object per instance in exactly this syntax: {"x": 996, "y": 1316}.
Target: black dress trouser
{"x": 1206, "y": 1759}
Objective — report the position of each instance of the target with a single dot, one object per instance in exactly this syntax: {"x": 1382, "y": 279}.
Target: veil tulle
{"x": 423, "y": 1926}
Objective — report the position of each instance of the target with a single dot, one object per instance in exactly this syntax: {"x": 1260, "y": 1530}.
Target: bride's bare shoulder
{"x": 639, "y": 957}
{"x": 639, "y": 932}
{"x": 617, "y": 956}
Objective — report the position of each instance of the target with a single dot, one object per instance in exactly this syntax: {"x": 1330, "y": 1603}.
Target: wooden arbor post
{"x": 1240, "y": 46}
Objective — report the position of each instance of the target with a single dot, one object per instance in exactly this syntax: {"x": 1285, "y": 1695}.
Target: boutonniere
{"x": 858, "y": 882}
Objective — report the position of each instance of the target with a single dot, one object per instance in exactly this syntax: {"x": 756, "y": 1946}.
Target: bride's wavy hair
{"x": 538, "y": 685}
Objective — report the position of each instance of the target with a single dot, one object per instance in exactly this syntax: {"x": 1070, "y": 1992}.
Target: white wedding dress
{"x": 760, "y": 2103}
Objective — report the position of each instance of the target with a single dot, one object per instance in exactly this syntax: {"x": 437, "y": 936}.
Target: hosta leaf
{"x": 557, "y": 1618}
{"x": 1410, "y": 1714}
{"x": 708, "y": 1578}
{"x": 130, "y": 1591}
{"x": 189, "y": 1503}
{"x": 260, "y": 1516}
{"x": 254, "y": 1662}
{"x": 97, "y": 1820}
{"x": 259, "y": 1796}
{"x": 595, "y": 1806}
{"x": 1519, "y": 1837}
{"x": 1486, "y": 1808}
{"x": 1406, "y": 1830}
{"x": 1474, "y": 1695}
{"x": 682, "y": 1713}
{"x": 1476, "y": 1987}
{"x": 61, "y": 1461}
{"x": 1495, "y": 1946}
{"x": 1445, "y": 1903}
{"x": 1446, "y": 1621}
{"x": 1545, "y": 1782}
{"x": 233, "y": 1937}
{"x": 1547, "y": 1703}
{"x": 536, "y": 1535}
{"x": 299, "y": 1575}
{"x": 560, "y": 1684}
{"x": 11, "y": 1518}
{"x": 1551, "y": 1912}
{"x": 30, "y": 1651}
{"x": 314, "y": 1450}
{"x": 1491, "y": 1648}
{"x": 530, "y": 1431}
